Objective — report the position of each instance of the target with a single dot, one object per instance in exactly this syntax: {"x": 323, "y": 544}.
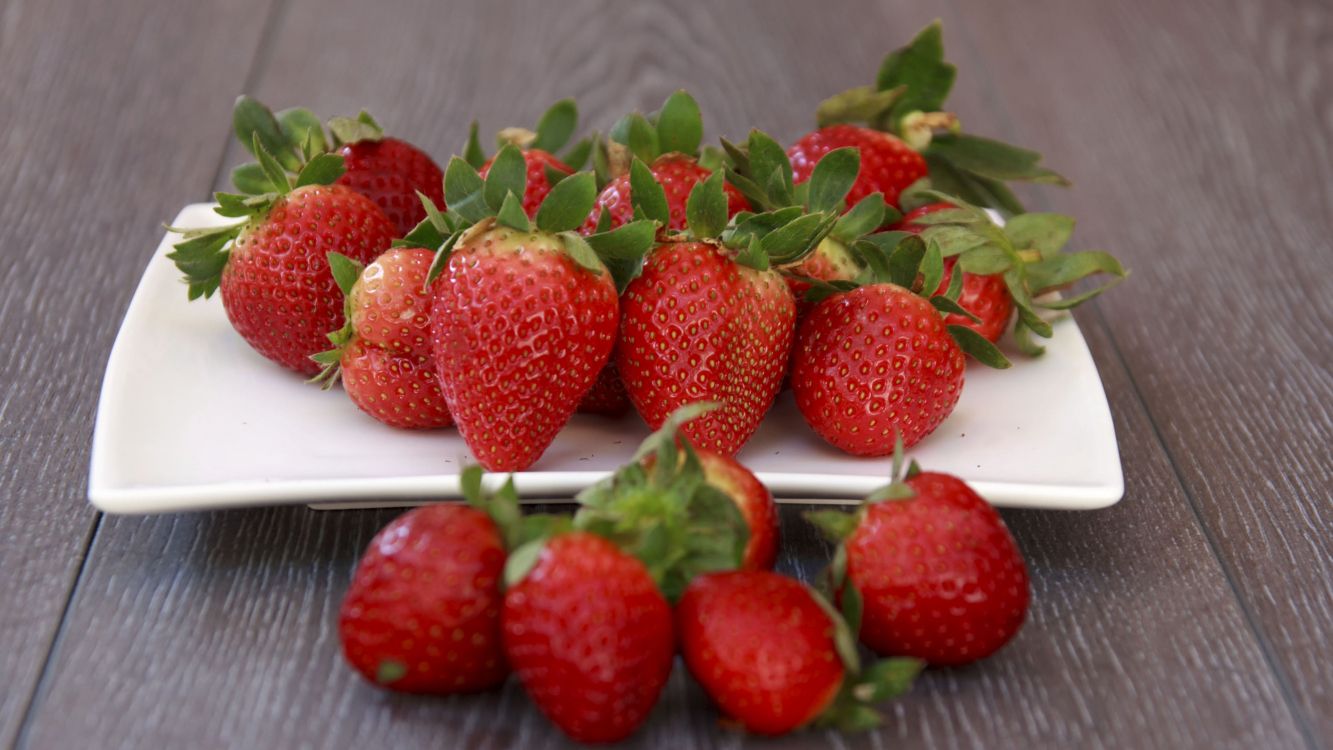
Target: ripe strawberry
{"x": 774, "y": 680}
{"x": 879, "y": 361}
{"x": 938, "y": 574}
{"x": 888, "y": 165}
{"x": 669, "y": 144}
{"x": 755, "y": 503}
{"x": 524, "y": 316}
{"x": 383, "y": 353}
{"x": 391, "y": 172}
{"x": 986, "y": 297}
{"x": 273, "y": 270}
{"x": 422, "y": 614}
{"x": 543, "y": 168}
{"x": 607, "y": 395}
{"x": 708, "y": 319}
{"x": 590, "y": 637}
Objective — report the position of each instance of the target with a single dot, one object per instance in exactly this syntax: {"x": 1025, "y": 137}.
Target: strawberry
{"x": 986, "y": 297}
{"x": 422, "y": 614}
{"x": 272, "y": 266}
{"x": 709, "y": 319}
{"x": 773, "y": 680}
{"x": 755, "y": 503}
{"x": 669, "y": 144}
{"x": 937, "y": 574}
{"x": 607, "y": 395}
{"x": 588, "y": 634}
{"x": 383, "y": 353}
{"x": 878, "y": 360}
{"x": 543, "y": 168}
{"x": 903, "y": 136}
{"x": 524, "y": 313}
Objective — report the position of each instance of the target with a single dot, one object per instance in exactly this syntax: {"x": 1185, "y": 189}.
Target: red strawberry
{"x": 888, "y": 165}
{"x": 755, "y": 503}
{"x": 607, "y": 395}
{"x": 775, "y": 658}
{"x": 831, "y": 261}
{"x": 590, "y": 637}
{"x": 524, "y": 314}
{"x": 986, "y": 297}
{"x": 422, "y": 614}
{"x": 391, "y": 172}
{"x": 677, "y": 174}
{"x": 939, "y": 576}
{"x": 274, "y": 277}
{"x": 383, "y": 353}
{"x": 872, "y": 363}
{"x": 539, "y": 183}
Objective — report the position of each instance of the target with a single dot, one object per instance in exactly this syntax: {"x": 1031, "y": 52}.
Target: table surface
{"x": 1195, "y": 613}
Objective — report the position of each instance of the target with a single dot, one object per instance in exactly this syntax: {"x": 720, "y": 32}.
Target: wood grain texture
{"x": 217, "y": 630}
{"x": 112, "y": 114}
{"x": 1200, "y": 146}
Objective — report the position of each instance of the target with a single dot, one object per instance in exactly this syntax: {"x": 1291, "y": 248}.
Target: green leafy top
{"x": 346, "y": 272}
{"x": 1027, "y": 251}
{"x": 474, "y": 202}
{"x": 763, "y": 174}
{"x": 676, "y": 128}
{"x": 556, "y": 126}
{"x": 660, "y": 508}
{"x": 759, "y": 240}
{"x": 906, "y": 100}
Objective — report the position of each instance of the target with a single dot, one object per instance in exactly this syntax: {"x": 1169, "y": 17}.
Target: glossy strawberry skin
{"x": 888, "y": 164}
{"x": 276, "y": 286}
{"x": 984, "y": 296}
{"x": 678, "y": 174}
{"x": 697, "y": 326}
{"x": 538, "y": 185}
{"x": 520, "y": 333}
{"x": 872, "y": 362}
{"x": 761, "y": 647}
{"x": 590, "y": 637}
{"x": 755, "y": 503}
{"x": 396, "y": 389}
{"x": 390, "y": 172}
{"x": 425, "y": 602}
{"x": 939, "y": 574}
{"x": 607, "y": 395}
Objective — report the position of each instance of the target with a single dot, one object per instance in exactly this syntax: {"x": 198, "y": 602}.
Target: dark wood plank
{"x": 217, "y": 630}
{"x": 1198, "y": 137}
{"x": 111, "y": 112}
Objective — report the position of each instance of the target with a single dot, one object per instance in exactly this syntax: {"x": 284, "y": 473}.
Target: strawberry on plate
{"x": 541, "y": 165}
{"x": 524, "y": 314}
{"x": 774, "y": 679}
{"x": 271, "y": 267}
{"x": 668, "y": 142}
{"x": 383, "y": 354}
{"x": 937, "y": 574}
{"x": 607, "y": 395}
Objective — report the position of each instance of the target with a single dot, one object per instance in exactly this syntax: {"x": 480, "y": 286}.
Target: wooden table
{"x": 1193, "y": 614}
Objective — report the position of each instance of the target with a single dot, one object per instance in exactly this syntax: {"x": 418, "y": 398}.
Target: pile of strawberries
{"x": 502, "y": 294}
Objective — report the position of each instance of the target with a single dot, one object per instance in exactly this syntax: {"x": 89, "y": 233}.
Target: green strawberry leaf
{"x": 886, "y": 679}
{"x": 1023, "y": 340}
{"x": 255, "y": 123}
{"x": 508, "y": 175}
{"x": 277, "y": 176}
{"x": 951, "y": 307}
{"x": 301, "y": 126}
{"x": 473, "y": 154}
{"x": 582, "y": 253}
{"x": 986, "y": 260}
{"x": 577, "y": 156}
{"x": 922, "y": 69}
{"x": 932, "y": 269}
{"x": 769, "y": 165}
{"x": 992, "y": 159}
{"x": 345, "y": 271}
{"x": 1045, "y": 233}
{"x": 1063, "y": 269}
{"x": 202, "y": 255}
{"x": 905, "y": 261}
{"x": 568, "y": 204}
{"x": 680, "y": 126}
{"x": 706, "y": 208}
{"x": 323, "y": 169}
{"x": 354, "y": 130}
{"x": 835, "y": 525}
{"x": 863, "y": 218}
{"x": 752, "y": 255}
{"x": 647, "y": 194}
{"x": 859, "y": 105}
{"x": 795, "y": 239}
{"x": 1066, "y": 303}
{"x": 511, "y": 213}
{"x": 249, "y": 178}
{"x": 441, "y": 259}
{"x": 639, "y": 135}
{"x": 463, "y": 189}
{"x": 556, "y": 126}
{"x": 832, "y": 178}
{"x": 235, "y": 206}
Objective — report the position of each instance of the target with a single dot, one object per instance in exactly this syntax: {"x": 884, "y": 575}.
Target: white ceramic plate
{"x": 190, "y": 418}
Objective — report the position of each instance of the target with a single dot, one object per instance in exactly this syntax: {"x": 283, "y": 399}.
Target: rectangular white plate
{"x": 190, "y": 418}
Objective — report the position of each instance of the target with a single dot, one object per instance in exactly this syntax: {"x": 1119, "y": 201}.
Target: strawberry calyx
{"x": 346, "y": 272}
{"x": 677, "y": 128}
{"x": 554, "y": 130}
{"x": 660, "y": 508}
{"x": 1027, "y": 252}
{"x": 907, "y": 100}
{"x": 476, "y": 204}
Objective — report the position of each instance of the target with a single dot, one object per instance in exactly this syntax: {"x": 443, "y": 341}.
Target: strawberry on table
{"x": 383, "y": 353}
{"x": 271, "y": 267}
{"x": 422, "y": 614}
{"x": 709, "y": 318}
{"x": 937, "y": 574}
{"x": 775, "y": 657}
{"x": 668, "y": 142}
{"x": 903, "y": 136}
{"x": 524, "y": 314}
{"x": 755, "y": 503}
{"x": 543, "y": 168}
